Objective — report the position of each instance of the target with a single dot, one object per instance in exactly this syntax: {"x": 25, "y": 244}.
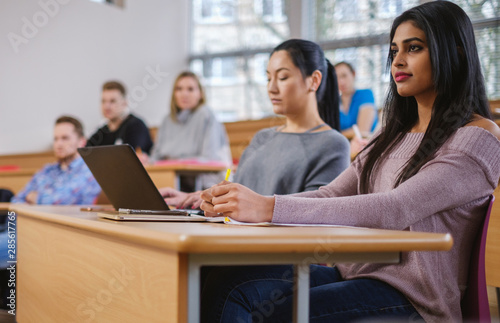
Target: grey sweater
{"x": 197, "y": 135}
{"x": 449, "y": 194}
{"x": 285, "y": 163}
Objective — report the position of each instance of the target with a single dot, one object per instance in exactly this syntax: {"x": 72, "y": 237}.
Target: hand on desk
{"x": 181, "y": 200}
{"x": 32, "y": 197}
{"x": 238, "y": 202}
{"x": 172, "y": 196}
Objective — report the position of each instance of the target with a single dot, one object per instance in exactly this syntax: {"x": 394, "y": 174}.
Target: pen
{"x": 357, "y": 133}
{"x": 228, "y": 173}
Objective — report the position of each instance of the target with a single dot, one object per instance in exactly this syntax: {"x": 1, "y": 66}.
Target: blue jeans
{"x": 242, "y": 294}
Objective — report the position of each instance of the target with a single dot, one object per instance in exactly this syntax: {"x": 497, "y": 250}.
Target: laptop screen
{"x": 122, "y": 177}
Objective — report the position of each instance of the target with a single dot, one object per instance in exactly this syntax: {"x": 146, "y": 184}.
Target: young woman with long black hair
{"x": 291, "y": 158}
{"x": 431, "y": 168}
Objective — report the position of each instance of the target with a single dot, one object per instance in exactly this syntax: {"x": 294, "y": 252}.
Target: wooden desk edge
{"x": 186, "y": 243}
{"x": 5, "y": 206}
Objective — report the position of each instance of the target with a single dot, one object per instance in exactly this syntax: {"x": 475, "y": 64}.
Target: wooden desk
{"x": 74, "y": 267}
{"x": 162, "y": 176}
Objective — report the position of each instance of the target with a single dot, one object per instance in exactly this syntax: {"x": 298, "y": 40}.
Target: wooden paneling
{"x": 493, "y": 244}
{"x": 29, "y": 160}
{"x": 16, "y": 180}
{"x": 495, "y": 106}
{"x": 116, "y": 275}
{"x": 495, "y": 110}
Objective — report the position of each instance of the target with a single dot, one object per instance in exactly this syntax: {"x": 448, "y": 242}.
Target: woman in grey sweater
{"x": 191, "y": 131}
{"x": 308, "y": 151}
{"x": 431, "y": 168}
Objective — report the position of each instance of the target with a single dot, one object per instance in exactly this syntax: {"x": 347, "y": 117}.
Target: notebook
{"x": 129, "y": 188}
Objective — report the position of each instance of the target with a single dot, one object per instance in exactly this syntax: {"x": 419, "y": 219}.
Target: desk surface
{"x": 75, "y": 266}
{"x": 223, "y": 238}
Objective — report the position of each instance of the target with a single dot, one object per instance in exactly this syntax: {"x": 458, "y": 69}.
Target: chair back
{"x": 475, "y": 305}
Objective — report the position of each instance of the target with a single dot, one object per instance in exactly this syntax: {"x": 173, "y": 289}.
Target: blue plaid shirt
{"x": 75, "y": 185}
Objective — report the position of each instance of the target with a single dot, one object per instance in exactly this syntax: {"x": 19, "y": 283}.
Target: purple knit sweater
{"x": 449, "y": 194}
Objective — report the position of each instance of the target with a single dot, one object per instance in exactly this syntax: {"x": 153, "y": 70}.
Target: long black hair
{"x": 309, "y": 57}
{"x": 458, "y": 82}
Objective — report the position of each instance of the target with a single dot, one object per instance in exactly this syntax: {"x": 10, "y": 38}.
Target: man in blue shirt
{"x": 68, "y": 181}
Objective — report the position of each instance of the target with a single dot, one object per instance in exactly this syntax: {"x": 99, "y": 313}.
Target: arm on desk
{"x": 181, "y": 200}
{"x": 28, "y": 194}
{"x": 445, "y": 183}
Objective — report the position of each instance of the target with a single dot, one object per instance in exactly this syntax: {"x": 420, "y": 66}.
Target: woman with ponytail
{"x": 307, "y": 151}
{"x": 431, "y": 168}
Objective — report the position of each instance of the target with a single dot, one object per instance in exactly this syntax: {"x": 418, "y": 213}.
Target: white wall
{"x": 58, "y": 67}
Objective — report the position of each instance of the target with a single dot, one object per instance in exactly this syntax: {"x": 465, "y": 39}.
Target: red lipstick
{"x": 401, "y": 76}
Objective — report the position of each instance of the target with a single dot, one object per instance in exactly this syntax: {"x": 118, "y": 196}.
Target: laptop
{"x": 129, "y": 188}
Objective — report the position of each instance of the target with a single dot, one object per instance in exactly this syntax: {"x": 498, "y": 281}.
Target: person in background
{"x": 122, "y": 127}
{"x": 308, "y": 151}
{"x": 68, "y": 181}
{"x": 431, "y": 168}
{"x": 357, "y": 108}
{"x": 191, "y": 131}
{"x": 5, "y": 195}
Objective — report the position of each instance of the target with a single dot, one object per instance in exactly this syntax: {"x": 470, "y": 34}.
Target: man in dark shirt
{"x": 122, "y": 127}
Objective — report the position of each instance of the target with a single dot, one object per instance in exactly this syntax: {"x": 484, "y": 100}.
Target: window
{"x": 345, "y": 10}
{"x": 214, "y": 11}
{"x": 236, "y": 87}
{"x": 488, "y": 41}
{"x": 390, "y": 8}
{"x": 231, "y": 42}
{"x": 231, "y": 58}
{"x": 270, "y": 10}
{"x": 485, "y": 16}
{"x": 219, "y": 69}
{"x": 363, "y": 42}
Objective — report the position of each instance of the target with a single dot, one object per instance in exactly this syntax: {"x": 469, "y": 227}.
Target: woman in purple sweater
{"x": 431, "y": 168}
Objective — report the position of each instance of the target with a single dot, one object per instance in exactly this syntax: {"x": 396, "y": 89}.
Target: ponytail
{"x": 328, "y": 98}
